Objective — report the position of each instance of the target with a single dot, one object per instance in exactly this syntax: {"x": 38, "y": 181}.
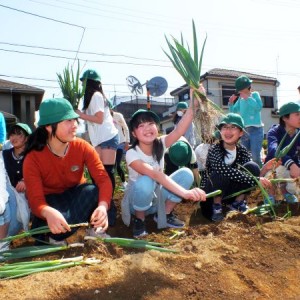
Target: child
{"x": 14, "y": 157}
{"x": 289, "y": 122}
{"x": 102, "y": 131}
{"x": 53, "y": 169}
{"x": 9, "y": 223}
{"x": 149, "y": 190}
{"x": 249, "y": 105}
{"x": 224, "y": 171}
{"x": 181, "y": 154}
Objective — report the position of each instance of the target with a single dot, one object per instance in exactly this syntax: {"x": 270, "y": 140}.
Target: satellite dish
{"x": 157, "y": 86}
{"x": 134, "y": 85}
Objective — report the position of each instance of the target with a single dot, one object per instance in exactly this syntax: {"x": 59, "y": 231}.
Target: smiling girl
{"x": 54, "y": 166}
{"x": 224, "y": 171}
{"x": 149, "y": 190}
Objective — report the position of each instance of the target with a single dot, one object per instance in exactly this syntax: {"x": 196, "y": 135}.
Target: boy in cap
{"x": 289, "y": 123}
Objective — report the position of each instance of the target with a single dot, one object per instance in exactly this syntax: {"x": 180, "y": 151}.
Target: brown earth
{"x": 243, "y": 257}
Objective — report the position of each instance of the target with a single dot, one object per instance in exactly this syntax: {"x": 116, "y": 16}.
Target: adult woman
{"x": 54, "y": 174}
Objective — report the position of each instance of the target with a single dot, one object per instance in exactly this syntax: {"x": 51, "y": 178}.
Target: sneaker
{"x": 97, "y": 232}
{"x": 271, "y": 198}
{"x": 290, "y": 198}
{"x": 173, "y": 221}
{"x": 57, "y": 243}
{"x": 139, "y": 228}
{"x": 239, "y": 206}
{"x": 217, "y": 213}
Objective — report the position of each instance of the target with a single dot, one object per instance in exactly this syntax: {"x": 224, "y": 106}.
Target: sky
{"x": 118, "y": 38}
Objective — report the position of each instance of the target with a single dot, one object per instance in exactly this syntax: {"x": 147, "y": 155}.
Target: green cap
{"x": 25, "y": 127}
{"x": 180, "y": 153}
{"x": 233, "y": 119}
{"x": 182, "y": 105}
{"x": 144, "y": 111}
{"x": 288, "y": 108}
{"x": 91, "y": 74}
{"x": 55, "y": 110}
{"x": 242, "y": 82}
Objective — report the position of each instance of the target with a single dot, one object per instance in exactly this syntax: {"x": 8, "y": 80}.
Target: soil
{"x": 242, "y": 257}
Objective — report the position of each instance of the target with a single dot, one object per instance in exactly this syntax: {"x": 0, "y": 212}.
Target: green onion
{"x": 240, "y": 192}
{"x": 16, "y": 270}
{"x": 132, "y": 243}
{"x": 31, "y": 251}
{"x": 39, "y": 230}
{"x": 263, "y": 191}
{"x": 213, "y": 194}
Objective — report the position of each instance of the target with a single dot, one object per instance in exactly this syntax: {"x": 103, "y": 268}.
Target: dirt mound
{"x": 243, "y": 257}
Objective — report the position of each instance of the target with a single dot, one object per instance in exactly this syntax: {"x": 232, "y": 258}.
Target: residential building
{"x": 219, "y": 85}
{"x": 20, "y": 100}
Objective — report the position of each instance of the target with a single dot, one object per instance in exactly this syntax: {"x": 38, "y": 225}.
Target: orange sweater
{"x": 45, "y": 173}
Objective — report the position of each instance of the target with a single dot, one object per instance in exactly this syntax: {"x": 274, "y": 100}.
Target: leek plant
{"x": 20, "y": 269}
{"x": 39, "y": 230}
{"x": 32, "y": 251}
{"x": 188, "y": 64}
{"x": 69, "y": 83}
{"x": 132, "y": 243}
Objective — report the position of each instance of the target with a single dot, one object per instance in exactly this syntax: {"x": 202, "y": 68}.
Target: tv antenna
{"x": 156, "y": 87}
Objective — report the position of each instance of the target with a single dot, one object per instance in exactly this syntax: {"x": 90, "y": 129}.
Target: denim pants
{"x": 252, "y": 140}
{"x": 75, "y": 204}
{"x": 10, "y": 213}
{"x": 143, "y": 191}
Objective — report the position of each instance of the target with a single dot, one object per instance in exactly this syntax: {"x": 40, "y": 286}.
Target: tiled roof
{"x": 6, "y": 85}
{"x": 223, "y": 73}
{"x": 234, "y": 74}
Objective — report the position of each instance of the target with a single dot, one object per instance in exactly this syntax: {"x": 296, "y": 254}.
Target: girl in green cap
{"x": 223, "y": 171}
{"x": 149, "y": 190}
{"x": 289, "y": 123}
{"x": 54, "y": 166}
{"x": 103, "y": 133}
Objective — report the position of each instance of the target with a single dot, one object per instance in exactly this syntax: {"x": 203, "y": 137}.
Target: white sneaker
{"x": 97, "y": 232}
{"x": 57, "y": 243}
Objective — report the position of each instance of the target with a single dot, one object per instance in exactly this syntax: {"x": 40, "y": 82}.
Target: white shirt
{"x": 100, "y": 133}
{"x": 138, "y": 154}
{"x": 230, "y": 156}
{"x": 122, "y": 127}
{"x": 3, "y": 191}
{"x": 201, "y": 154}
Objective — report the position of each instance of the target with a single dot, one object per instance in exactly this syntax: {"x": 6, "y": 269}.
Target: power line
{"x": 97, "y": 61}
{"x": 39, "y": 16}
{"x": 83, "y": 52}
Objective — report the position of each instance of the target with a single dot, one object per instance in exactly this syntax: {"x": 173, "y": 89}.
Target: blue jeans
{"x": 252, "y": 140}
{"x": 10, "y": 213}
{"x": 143, "y": 191}
{"x": 75, "y": 204}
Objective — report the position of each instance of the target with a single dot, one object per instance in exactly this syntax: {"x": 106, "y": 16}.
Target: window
{"x": 227, "y": 91}
{"x": 267, "y": 101}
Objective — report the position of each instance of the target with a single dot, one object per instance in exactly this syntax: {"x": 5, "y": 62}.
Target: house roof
{"x": 18, "y": 88}
{"x": 6, "y": 85}
{"x": 229, "y": 74}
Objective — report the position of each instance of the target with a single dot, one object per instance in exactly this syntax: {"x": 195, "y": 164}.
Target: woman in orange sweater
{"x": 54, "y": 174}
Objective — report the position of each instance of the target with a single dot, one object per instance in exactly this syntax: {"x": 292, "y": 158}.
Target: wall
{"x": 6, "y": 103}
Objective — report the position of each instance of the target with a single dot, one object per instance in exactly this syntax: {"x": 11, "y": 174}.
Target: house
{"x": 20, "y": 100}
{"x": 219, "y": 85}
